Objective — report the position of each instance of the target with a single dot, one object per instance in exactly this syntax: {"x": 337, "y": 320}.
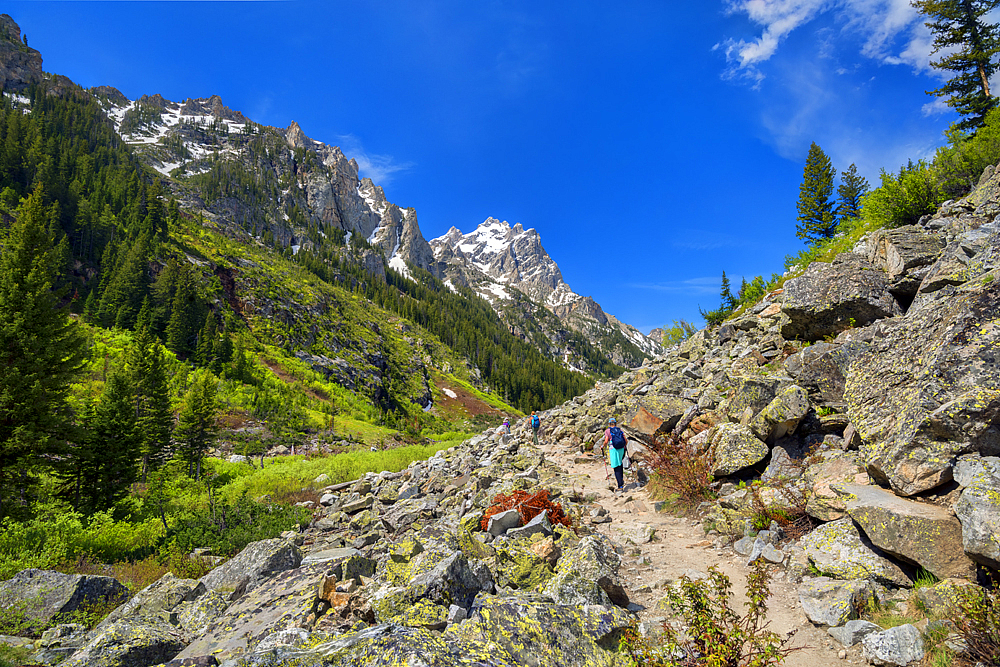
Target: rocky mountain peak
{"x": 296, "y": 137}
{"x": 20, "y": 65}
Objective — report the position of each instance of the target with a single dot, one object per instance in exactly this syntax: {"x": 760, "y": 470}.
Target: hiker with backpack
{"x": 616, "y": 441}
{"x": 536, "y": 423}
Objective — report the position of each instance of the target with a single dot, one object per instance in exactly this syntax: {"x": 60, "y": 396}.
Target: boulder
{"x": 285, "y": 600}
{"x": 163, "y": 594}
{"x": 941, "y": 598}
{"x": 978, "y": 510}
{"x": 735, "y": 447}
{"x": 751, "y": 394}
{"x": 828, "y": 298}
{"x": 831, "y": 602}
{"x": 838, "y": 550}
{"x": 57, "y": 643}
{"x": 895, "y": 647}
{"x": 588, "y": 574}
{"x": 257, "y": 562}
{"x": 45, "y": 596}
{"x": 920, "y": 533}
{"x": 823, "y": 479}
{"x": 501, "y": 522}
{"x": 822, "y": 369}
{"x": 655, "y": 415}
{"x": 905, "y": 254}
{"x": 928, "y": 390}
{"x": 853, "y": 632}
{"x": 454, "y": 580}
{"x": 195, "y": 616}
{"x": 782, "y": 415}
{"x": 131, "y": 642}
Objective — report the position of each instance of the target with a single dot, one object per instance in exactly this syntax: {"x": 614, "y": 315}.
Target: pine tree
{"x": 41, "y": 351}
{"x": 183, "y": 325}
{"x": 205, "y": 351}
{"x": 816, "y": 219}
{"x": 853, "y": 186}
{"x": 106, "y": 463}
{"x": 195, "y": 430}
{"x": 970, "y": 45}
{"x": 152, "y": 400}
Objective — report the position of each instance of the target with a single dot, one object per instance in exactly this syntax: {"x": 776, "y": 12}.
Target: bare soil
{"x": 680, "y": 546}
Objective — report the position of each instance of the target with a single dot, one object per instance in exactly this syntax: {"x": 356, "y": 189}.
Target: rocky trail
{"x": 680, "y": 547}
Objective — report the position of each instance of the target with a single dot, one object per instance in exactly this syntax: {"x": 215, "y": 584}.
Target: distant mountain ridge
{"x": 281, "y": 183}
{"x": 495, "y": 258}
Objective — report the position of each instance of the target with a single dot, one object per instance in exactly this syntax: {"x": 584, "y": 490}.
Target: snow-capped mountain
{"x": 496, "y": 258}
{"x": 295, "y": 184}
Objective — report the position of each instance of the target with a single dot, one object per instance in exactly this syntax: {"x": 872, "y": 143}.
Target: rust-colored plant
{"x": 679, "y": 472}
{"x": 528, "y": 506}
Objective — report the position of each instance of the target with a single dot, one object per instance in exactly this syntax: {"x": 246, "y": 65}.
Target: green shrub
{"x": 977, "y": 622}
{"x": 227, "y": 527}
{"x": 959, "y": 165}
{"x": 902, "y": 198}
{"x": 705, "y": 630}
{"x": 13, "y": 656}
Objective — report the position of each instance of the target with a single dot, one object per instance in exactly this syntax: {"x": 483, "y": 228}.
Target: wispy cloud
{"x": 380, "y": 168}
{"x": 881, "y": 25}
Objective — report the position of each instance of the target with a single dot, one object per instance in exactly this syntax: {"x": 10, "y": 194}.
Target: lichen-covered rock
{"x": 853, "y": 632}
{"x": 453, "y": 580}
{"x": 978, "y": 510}
{"x": 286, "y": 600}
{"x": 941, "y": 598}
{"x": 824, "y": 479}
{"x": 655, "y": 415}
{"x": 895, "y": 647}
{"x": 45, "y": 596}
{"x": 920, "y": 533}
{"x": 832, "y": 602}
{"x": 58, "y": 643}
{"x": 828, "y": 298}
{"x": 163, "y": 594}
{"x": 751, "y": 394}
{"x": 255, "y": 564}
{"x": 837, "y": 550}
{"x": 517, "y": 566}
{"x": 822, "y": 369}
{"x": 928, "y": 390}
{"x": 905, "y": 254}
{"x": 782, "y": 415}
{"x": 735, "y": 447}
{"x": 131, "y": 642}
{"x": 196, "y": 615}
{"x": 588, "y": 574}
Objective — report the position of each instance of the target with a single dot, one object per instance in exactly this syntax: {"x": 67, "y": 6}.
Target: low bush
{"x": 679, "y": 473}
{"x": 706, "y": 631}
{"x": 977, "y": 621}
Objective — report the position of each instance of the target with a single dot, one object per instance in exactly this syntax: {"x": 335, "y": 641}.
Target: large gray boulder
{"x": 832, "y": 602}
{"x": 928, "y": 390}
{"x": 824, "y": 480}
{"x": 822, "y": 369}
{"x": 920, "y": 533}
{"x": 905, "y": 254}
{"x": 588, "y": 574}
{"x": 653, "y": 416}
{"x": 454, "y": 580}
{"x": 978, "y": 509}
{"x": 286, "y": 600}
{"x": 256, "y": 563}
{"x": 751, "y": 394}
{"x": 735, "y": 448}
{"x": 161, "y": 595}
{"x": 131, "y": 642}
{"x": 829, "y": 298}
{"x": 837, "y": 550}
{"x": 853, "y": 632}
{"x": 44, "y": 596}
{"x": 895, "y": 647}
{"x": 782, "y": 415}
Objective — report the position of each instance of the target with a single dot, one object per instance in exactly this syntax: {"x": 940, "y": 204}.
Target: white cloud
{"x": 880, "y": 24}
{"x": 380, "y": 168}
{"x": 936, "y": 108}
{"x": 707, "y": 285}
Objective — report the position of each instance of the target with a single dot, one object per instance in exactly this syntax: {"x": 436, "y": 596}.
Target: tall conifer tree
{"x": 816, "y": 219}
{"x": 41, "y": 351}
{"x": 195, "y": 430}
{"x": 970, "y": 45}
{"x": 853, "y": 186}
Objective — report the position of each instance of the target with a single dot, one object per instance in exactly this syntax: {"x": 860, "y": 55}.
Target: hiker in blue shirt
{"x": 616, "y": 441}
{"x": 536, "y": 423}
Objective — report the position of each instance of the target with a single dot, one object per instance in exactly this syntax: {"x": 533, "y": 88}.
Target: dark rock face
{"x": 44, "y": 595}
{"x": 829, "y": 298}
{"x": 20, "y": 66}
{"x": 131, "y": 642}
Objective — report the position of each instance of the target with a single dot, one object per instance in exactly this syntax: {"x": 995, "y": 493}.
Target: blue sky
{"x": 653, "y": 144}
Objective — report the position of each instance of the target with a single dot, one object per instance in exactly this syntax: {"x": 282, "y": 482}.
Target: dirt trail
{"x": 680, "y": 545}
